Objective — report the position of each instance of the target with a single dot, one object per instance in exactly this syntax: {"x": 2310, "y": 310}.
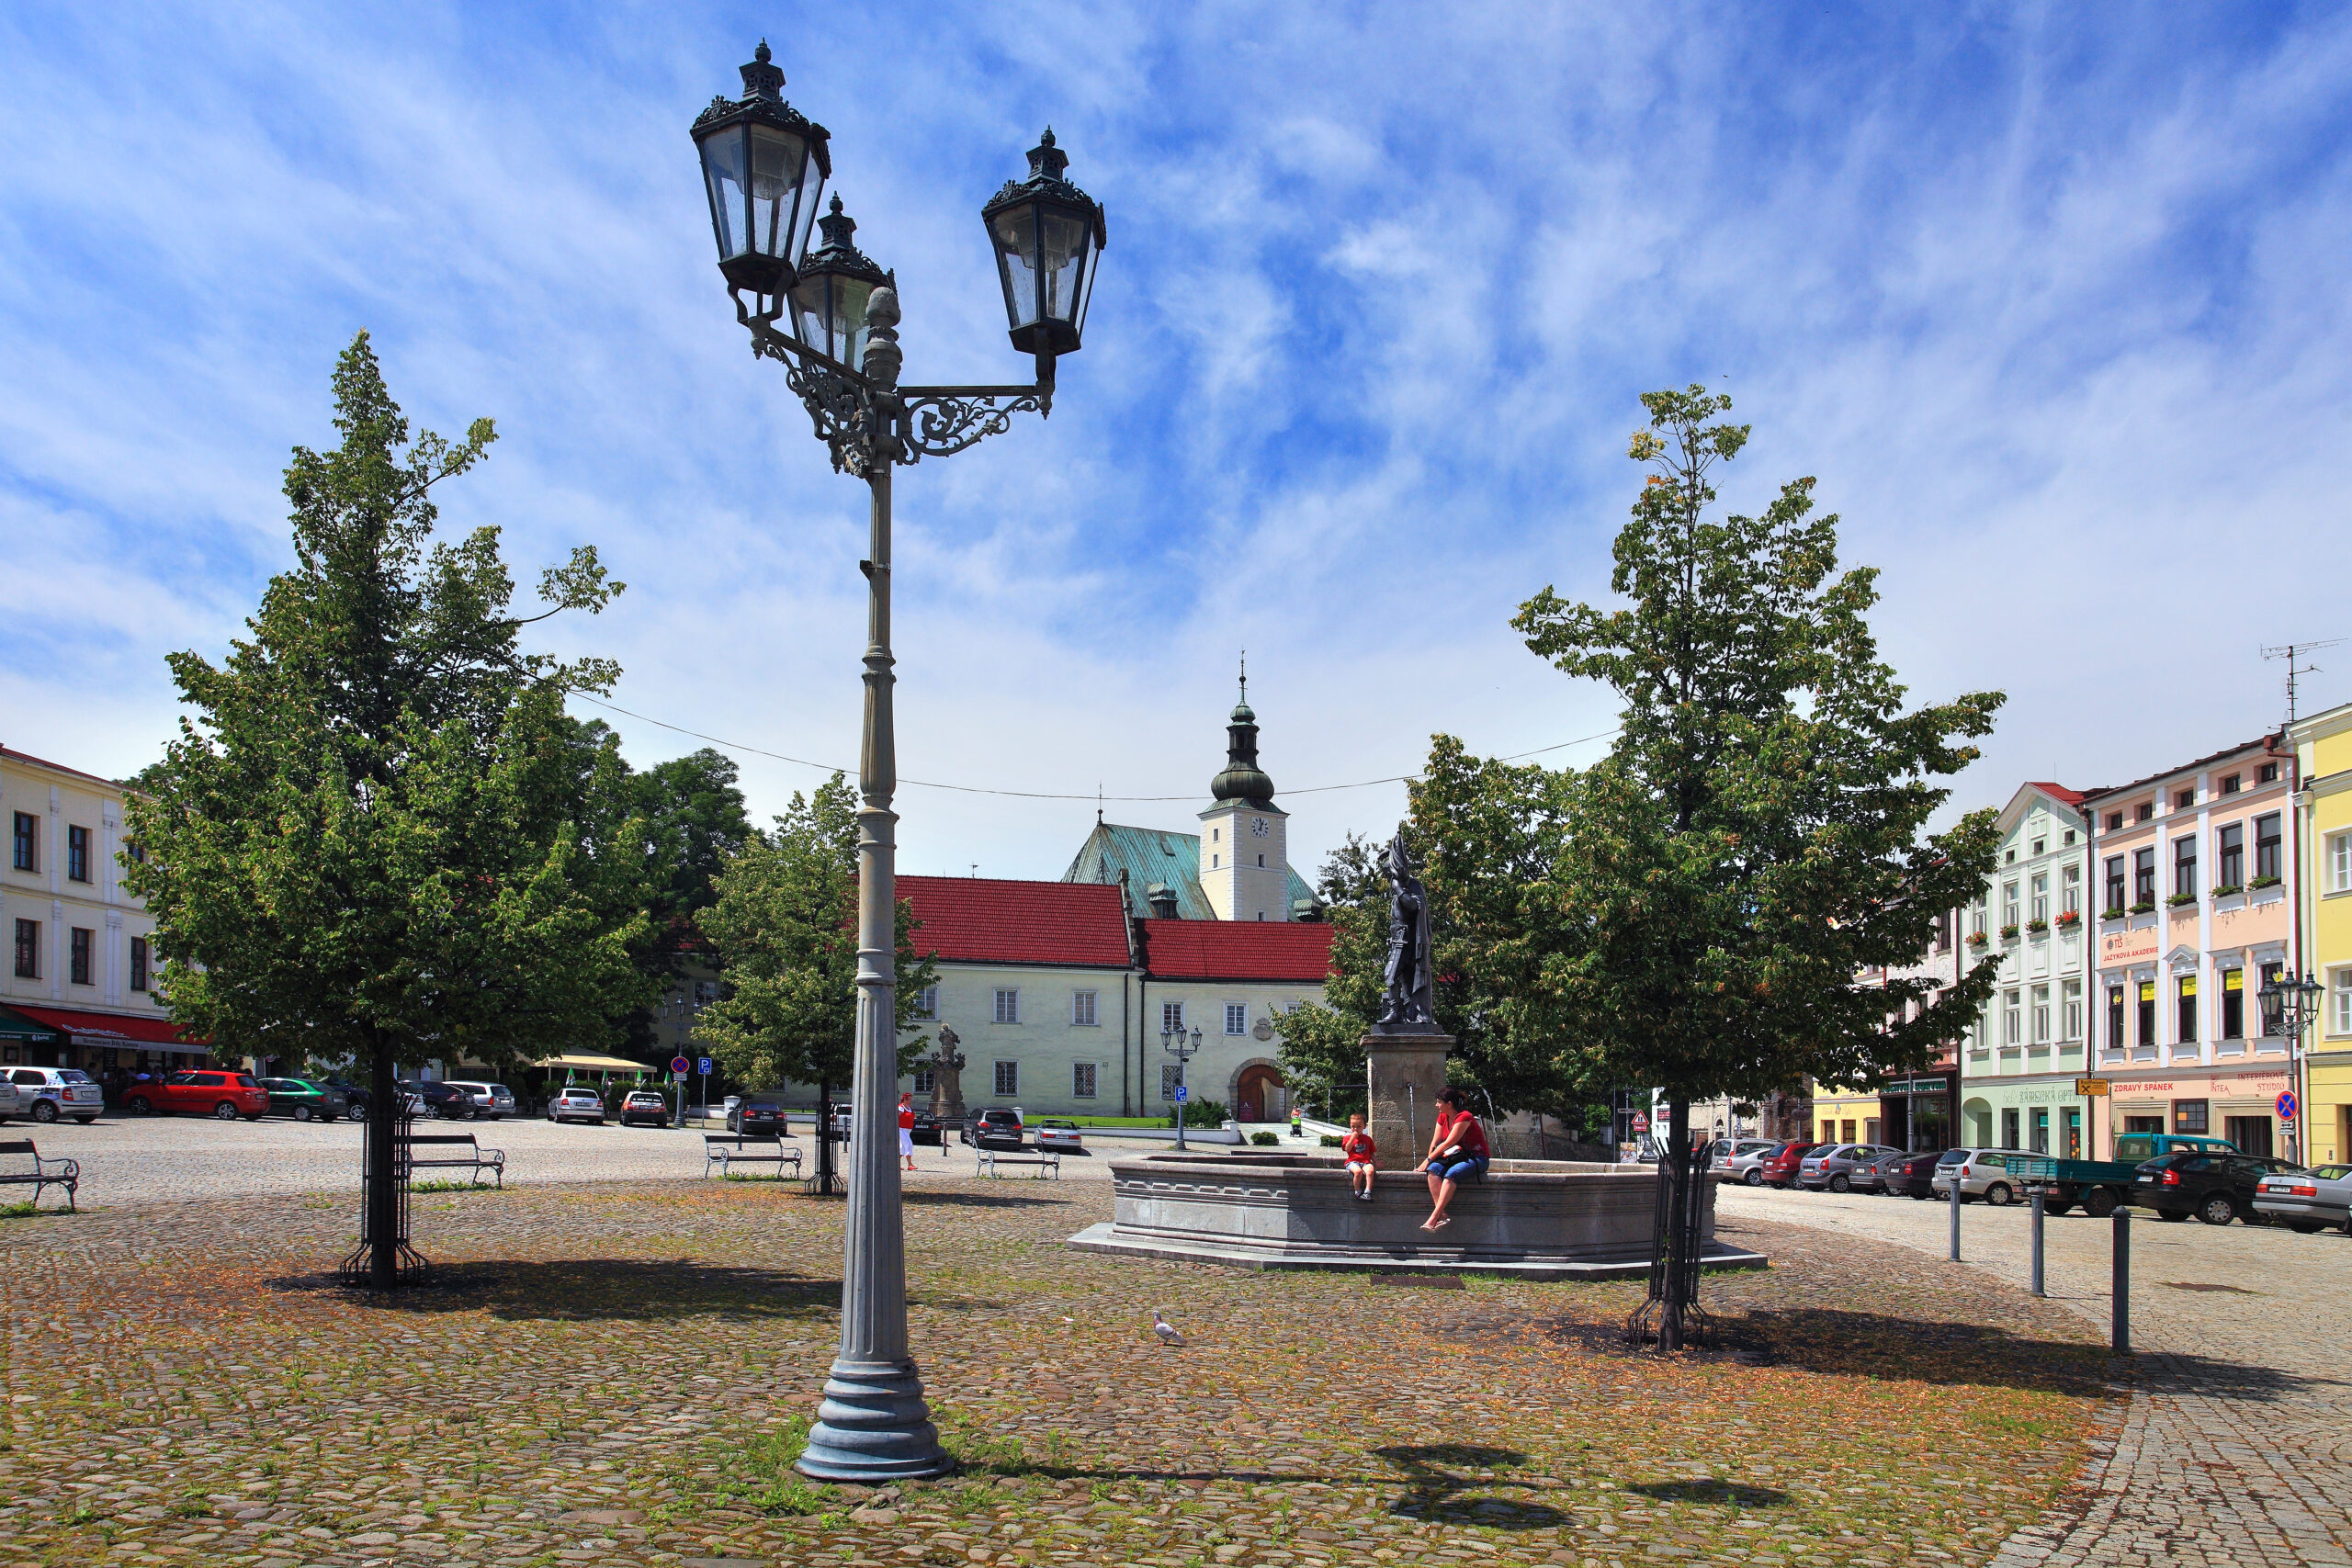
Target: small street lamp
{"x": 765, "y": 165}
{"x": 1174, "y": 1041}
{"x": 2290, "y": 1002}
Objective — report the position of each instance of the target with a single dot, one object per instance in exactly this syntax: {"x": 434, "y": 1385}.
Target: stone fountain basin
{"x": 1253, "y": 1209}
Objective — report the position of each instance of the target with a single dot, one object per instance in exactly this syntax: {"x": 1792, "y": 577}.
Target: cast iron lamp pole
{"x": 2289, "y": 1002}
{"x": 765, "y": 166}
{"x": 1172, "y": 1041}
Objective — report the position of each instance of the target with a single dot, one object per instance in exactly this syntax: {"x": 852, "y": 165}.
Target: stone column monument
{"x": 1405, "y": 1053}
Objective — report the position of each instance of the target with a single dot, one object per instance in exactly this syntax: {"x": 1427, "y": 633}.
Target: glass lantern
{"x": 1048, "y": 237}
{"x": 829, "y": 299}
{"x": 765, "y": 166}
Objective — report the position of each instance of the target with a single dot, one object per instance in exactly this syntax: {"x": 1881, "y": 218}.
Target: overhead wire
{"x": 1044, "y": 795}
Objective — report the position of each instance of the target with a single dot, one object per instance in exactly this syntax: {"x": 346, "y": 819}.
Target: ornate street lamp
{"x": 2290, "y": 1002}
{"x": 1173, "y": 1042}
{"x": 764, "y": 169}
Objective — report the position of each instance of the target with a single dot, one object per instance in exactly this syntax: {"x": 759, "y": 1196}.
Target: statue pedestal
{"x": 1403, "y": 1074}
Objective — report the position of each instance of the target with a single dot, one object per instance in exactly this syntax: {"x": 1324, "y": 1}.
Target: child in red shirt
{"x": 1356, "y": 1148}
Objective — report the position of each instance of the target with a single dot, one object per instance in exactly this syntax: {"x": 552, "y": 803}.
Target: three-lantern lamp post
{"x": 830, "y": 316}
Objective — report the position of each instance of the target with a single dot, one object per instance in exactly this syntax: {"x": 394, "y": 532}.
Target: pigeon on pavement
{"x": 1161, "y": 1326}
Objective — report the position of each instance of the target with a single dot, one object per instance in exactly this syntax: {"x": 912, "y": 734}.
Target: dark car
{"x": 354, "y": 1099}
{"x": 2216, "y": 1188}
{"x": 998, "y": 1127}
{"x": 305, "y": 1101}
{"x": 443, "y": 1099}
{"x": 927, "y": 1130}
{"x": 760, "y": 1113}
{"x": 1910, "y": 1176}
{"x": 1780, "y": 1167}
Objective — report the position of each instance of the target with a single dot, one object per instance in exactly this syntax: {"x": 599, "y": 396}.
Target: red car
{"x": 1780, "y": 1169}
{"x": 212, "y": 1092}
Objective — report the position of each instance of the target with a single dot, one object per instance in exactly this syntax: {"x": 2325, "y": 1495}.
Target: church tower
{"x": 1245, "y": 852}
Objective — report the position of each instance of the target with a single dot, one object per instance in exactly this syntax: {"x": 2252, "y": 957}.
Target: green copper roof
{"x": 1150, "y": 855}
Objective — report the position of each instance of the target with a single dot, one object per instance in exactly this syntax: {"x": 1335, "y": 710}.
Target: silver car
{"x": 1740, "y": 1159}
{"x": 48, "y": 1093}
{"x": 576, "y": 1104}
{"x": 1981, "y": 1173}
{"x": 2307, "y": 1200}
{"x": 1835, "y": 1166}
{"x": 494, "y": 1101}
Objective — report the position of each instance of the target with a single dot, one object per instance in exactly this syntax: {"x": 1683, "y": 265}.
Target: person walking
{"x": 907, "y": 1130}
{"x": 1457, "y": 1151}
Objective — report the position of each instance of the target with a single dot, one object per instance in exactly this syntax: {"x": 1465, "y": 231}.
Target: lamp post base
{"x": 874, "y": 1426}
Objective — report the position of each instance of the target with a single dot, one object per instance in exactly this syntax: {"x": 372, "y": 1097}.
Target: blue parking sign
{"x": 706, "y": 1066}
{"x": 1180, "y": 1094}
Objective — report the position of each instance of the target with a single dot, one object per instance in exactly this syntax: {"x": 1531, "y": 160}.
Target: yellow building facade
{"x": 2324, "y": 754}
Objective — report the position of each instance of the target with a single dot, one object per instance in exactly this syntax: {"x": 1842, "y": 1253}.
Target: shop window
{"x": 2251, "y": 1134}
{"x": 2143, "y": 1124}
{"x": 2188, "y": 1116}
{"x": 1847, "y": 1136}
{"x": 2040, "y": 1144}
{"x": 2074, "y": 1134}
{"x": 2008, "y": 1129}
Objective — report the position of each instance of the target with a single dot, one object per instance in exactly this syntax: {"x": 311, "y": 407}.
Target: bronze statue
{"x": 1409, "y": 1004}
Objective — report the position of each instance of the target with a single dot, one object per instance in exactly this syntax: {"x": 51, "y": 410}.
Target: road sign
{"x": 2090, "y": 1087}
{"x": 705, "y": 1066}
{"x": 1180, "y": 1094}
{"x": 2287, "y": 1106}
{"x": 678, "y": 1064}
{"x": 1641, "y": 1123}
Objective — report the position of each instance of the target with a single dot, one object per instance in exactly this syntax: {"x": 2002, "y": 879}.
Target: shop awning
{"x": 593, "y": 1063}
{"x": 153, "y": 1033}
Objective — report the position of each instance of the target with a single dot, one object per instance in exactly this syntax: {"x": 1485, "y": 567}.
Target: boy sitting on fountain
{"x": 1356, "y": 1148}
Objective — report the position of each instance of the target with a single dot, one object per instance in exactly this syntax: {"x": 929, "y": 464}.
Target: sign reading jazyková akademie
{"x": 2133, "y": 946}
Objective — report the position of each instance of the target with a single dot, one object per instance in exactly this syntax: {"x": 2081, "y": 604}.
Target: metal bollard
{"x": 2037, "y": 1244}
{"x": 1955, "y": 1212}
{"x": 2120, "y": 1313}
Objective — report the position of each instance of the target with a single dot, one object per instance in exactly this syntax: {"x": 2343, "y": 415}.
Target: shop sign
{"x": 2090, "y": 1087}
{"x": 2120, "y": 948}
{"x": 2253, "y": 1084}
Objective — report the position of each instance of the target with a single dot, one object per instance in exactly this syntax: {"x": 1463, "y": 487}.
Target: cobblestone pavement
{"x": 617, "y": 1373}
{"x": 145, "y": 1160}
{"x": 2237, "y": 1448}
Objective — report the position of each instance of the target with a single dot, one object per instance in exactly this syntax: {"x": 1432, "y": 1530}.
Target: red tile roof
{"x": 1299, "y": 952}
{"x": 2058, "y": 792}
{"x": 968, "y": 919}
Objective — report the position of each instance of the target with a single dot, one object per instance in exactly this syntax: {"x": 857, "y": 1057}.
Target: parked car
{"x": 576, "y": 1102}
{"x": 649, "y": 1106}
{"x": 494, "y": 1101}
{"x": 305, "y": 1101}
{"x": 46, "y": 1093}
{"x": 205, "y": 1093}
{"x": 2137, "y": 1148}
{"x": 1871, "y": 1175}
{"x": 444, "y": 1100}
{"x": 357, "y": 1098}
{"x": 1833, "y": 1165}
{"x": 927, "y": 1130}
{"x": 1780, "y": 1166}
{"x": 1740, "y": 1159}
{"x": 1909, "y": 1175}
{"x": 12, "y": 1099}
{"x": 2307, "y": 1200}
{"x": 761, "y": 1113}
{"x": 998, "y": 1127}
{"x": 1059, "y": 1134}
{"x": 2216, "y": 1188}
{"x": 1981, "y": 1173}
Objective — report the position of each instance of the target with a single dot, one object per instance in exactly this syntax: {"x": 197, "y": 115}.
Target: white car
{"x": 494, "y": 1101}
{"x": 1059, "y": 1134}
{"x": 47, "y": 1093}
{"x": 12, "y": 1103}
{"x": 576, "y": 1105}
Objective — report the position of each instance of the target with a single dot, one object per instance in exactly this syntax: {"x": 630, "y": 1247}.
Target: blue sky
{"x": 2052, "y": 299}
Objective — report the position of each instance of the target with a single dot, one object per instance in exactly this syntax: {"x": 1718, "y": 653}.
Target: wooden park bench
{"x": 1044, "y": 1160}
{"x": 473, "y": 1161}
{"x": 727, "y": 1150}
{"x": 43, "y": 1173}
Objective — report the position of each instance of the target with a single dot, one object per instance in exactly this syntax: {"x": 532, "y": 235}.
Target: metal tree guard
{"x": 392, "y": 1122}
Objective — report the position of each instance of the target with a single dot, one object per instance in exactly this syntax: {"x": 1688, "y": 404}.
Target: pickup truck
{"x": 2099, "y": 1186}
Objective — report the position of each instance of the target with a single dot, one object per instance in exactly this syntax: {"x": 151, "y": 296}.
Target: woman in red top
{"x": 1457, "y": 1149}
{"x": 907, "y": 1129}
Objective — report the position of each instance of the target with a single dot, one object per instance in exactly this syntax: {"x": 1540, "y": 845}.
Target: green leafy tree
{"x": 693, "y": 819}
{"x": 785, "y": 925}
{"x": 1697, "y": 909}
{"x": 377, "y": 835}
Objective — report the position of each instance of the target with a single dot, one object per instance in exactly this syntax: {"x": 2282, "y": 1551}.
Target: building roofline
{"x": 2267, "y": 742}
{"x": 10, "y": 754}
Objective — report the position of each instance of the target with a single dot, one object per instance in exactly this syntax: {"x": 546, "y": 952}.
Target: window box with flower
{"x": 2227, "y": 889}
{"x": 2143, "y": 907}
{"x": 2037, "y": 926}
{"x": 2178, "y": 900}
{"x": 2069, "y": 919}
{"x": 2009, "y": 933}
{"x": 2261, "y": 882}
{"x": 1977, "y": 939}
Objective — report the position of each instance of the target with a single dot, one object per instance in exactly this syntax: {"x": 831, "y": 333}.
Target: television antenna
{"x": 2292, "y": 652}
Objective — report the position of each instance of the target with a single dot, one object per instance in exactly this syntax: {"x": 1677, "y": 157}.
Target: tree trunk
{"x": 383, "y": 1196}
{"x": 1682, "y": 1236}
